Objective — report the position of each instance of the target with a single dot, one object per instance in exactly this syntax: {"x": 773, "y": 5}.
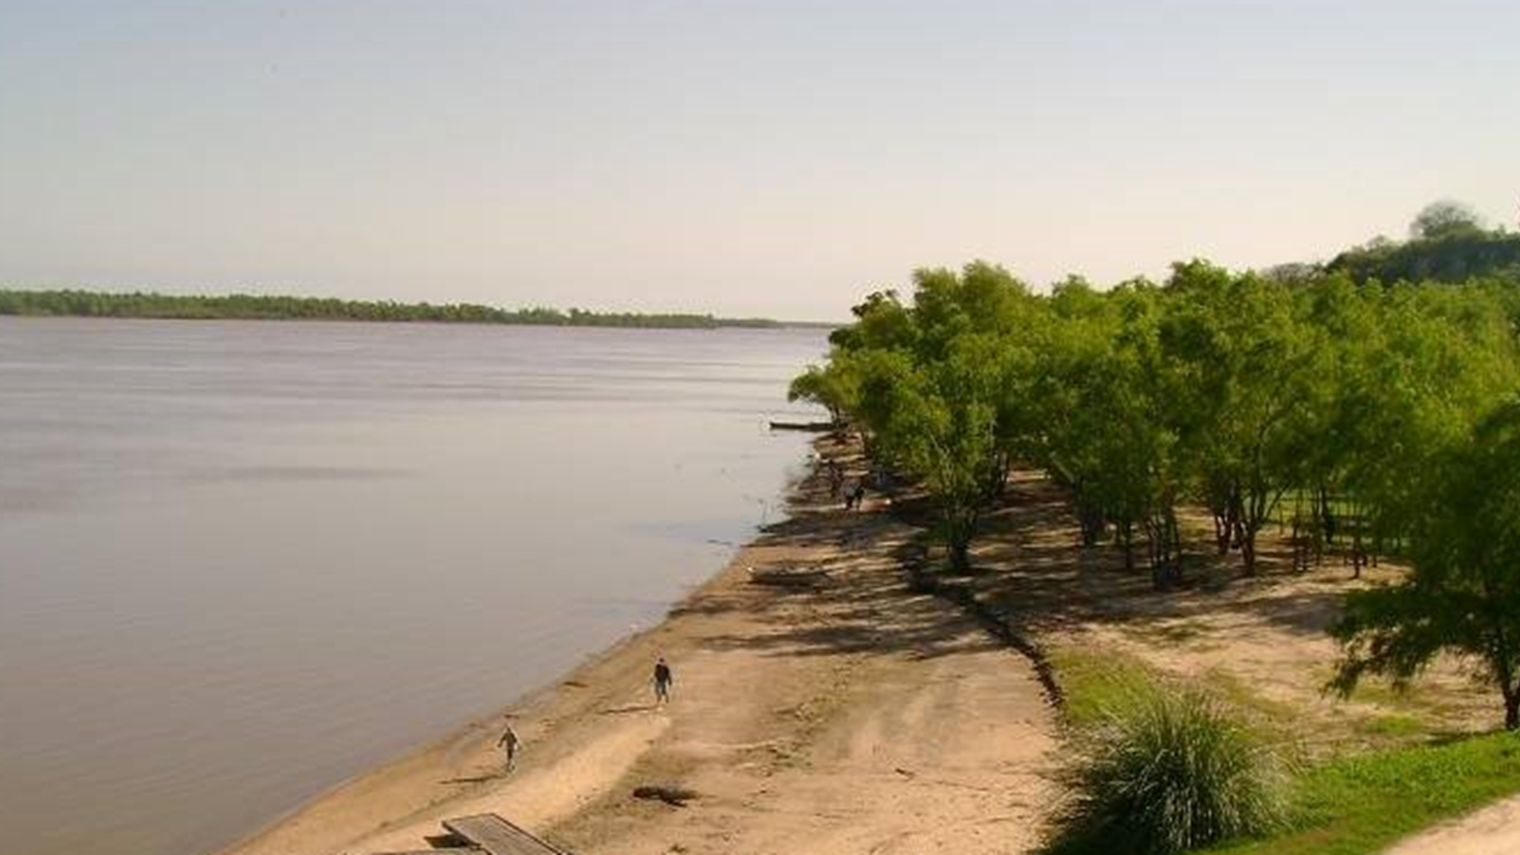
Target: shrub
{"x": 1166, "y": 772}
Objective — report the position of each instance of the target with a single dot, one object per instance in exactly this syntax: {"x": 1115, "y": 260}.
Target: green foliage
{"x": 1250, "y": 362}
{"x": 250, "y": 307}
{"x": 938, "y": 385}
{"x": 1234, "y": 391}
{"x": 832, "y": 390}
{"x": 1444, "y": 217}
{"x": 1453, "y": 255}
{"x": 1463, "y": 595}
{"x": 1167, "y": 772}
{"x": 1361, "y": 803}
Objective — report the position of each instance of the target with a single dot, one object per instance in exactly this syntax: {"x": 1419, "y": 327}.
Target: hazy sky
{"x": 774, "y": 158}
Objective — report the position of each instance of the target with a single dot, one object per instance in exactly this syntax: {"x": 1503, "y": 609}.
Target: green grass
{"x": 1095, "y": 682}
{"x": 1393, "y": 726}
{"x": 1279, "y": 717}
{"x": 1171, "y": 632}
{"x": 1361, "y": 803}
{"x": 1416, "y": 701}
{"x": 1169, "y": 771}
{"x": 1350, "y": 805}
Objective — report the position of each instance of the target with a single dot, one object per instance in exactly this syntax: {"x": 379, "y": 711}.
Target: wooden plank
{"x": 498, "y": 836}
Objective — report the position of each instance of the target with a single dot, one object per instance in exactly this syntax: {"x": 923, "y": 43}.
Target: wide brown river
{"x": 240, "y": 562}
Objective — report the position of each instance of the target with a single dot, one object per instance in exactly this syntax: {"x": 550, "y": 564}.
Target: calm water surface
{"x": 240, "y": 562}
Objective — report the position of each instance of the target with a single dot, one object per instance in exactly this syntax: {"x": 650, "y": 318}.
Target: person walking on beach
{"x": 510, "y": 742}
{"x": 663, "y": 680}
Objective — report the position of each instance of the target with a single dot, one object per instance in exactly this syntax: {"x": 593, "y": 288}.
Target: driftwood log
{"x": 671, "y": 795}
{"x": 788, "y": 578}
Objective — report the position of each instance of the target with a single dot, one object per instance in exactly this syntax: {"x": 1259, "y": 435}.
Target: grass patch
{"x": 1392, "y": 726}
{"x": 1362, "y": 803}
{"x": 1415, "y": 701}
{"x": 1173, "y": 632}
{"x": 1095, "y": 682}
{"x": 1170, "y": 771}
{"x": 1281, "y": 716}
{"x": 1355, "y": 804}
{"x": 1384, "y": 694}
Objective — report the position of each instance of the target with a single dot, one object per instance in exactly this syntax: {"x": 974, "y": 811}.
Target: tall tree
{"x": 1444, "y": 217}
{"x": 1463, "y": 594}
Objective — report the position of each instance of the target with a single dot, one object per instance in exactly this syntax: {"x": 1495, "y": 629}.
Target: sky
{"x": 775, "y": 158}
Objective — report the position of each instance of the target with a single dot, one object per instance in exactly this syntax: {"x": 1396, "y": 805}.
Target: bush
{"x": 1167, "y": 772}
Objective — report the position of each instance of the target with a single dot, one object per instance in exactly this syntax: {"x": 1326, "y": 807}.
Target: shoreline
{"x": 439, "y": 748}
{"x": 863, "y": 698}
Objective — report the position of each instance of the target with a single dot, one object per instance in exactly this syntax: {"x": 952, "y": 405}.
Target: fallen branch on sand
{"x": 677, "y": 796}
{"x": 788, "y": 578}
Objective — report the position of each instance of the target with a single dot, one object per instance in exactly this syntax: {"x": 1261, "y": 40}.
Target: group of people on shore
{"x": 664, "y": 679}
{"x": 854, "y": 496}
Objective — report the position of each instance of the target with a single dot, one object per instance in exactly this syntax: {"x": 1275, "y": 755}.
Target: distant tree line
{"x": 80, "y": 303}
{"x": 1371, "y": 415}
{"x": 1448, "y": 243}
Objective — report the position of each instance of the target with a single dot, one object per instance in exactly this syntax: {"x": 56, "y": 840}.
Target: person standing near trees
{"x": 663, "y": 680}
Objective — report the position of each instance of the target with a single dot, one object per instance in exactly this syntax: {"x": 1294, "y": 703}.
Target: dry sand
{"x": 854, "y": 718}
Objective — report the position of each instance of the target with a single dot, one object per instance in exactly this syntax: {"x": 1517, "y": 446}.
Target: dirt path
{"x": 1494, "y": 830}
{"x": 854, "y": 718}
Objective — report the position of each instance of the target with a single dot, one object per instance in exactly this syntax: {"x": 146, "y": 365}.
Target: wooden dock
{"x": 486, "y": 834}
{"x": 496, "y": 836}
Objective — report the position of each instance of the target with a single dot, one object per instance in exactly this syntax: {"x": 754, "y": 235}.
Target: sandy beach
{"x": 852, "y": 717}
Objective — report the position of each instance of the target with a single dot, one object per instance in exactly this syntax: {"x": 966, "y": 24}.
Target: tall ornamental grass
{"x": 1167, "y": 772}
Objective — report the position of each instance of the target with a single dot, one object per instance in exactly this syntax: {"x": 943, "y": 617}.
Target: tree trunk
{"x": 1328, "y": 520}
{"x": 1174, "y": 538}
{"x": 1248, "y": 549}
{"x": 1164, "y": 539}
{"x": 960, "y": 555}
{"x": 1511, "y": 709}
{"x": 960, "y": 529}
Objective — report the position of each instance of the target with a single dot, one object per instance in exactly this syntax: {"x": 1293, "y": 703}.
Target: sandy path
{"x": 881, "y": 723}
{"x": 1494, "y": 830}
{"x": 856, "y": 718}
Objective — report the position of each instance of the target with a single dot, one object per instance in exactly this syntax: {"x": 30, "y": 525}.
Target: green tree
{"x": 833, "y": 388}
{"x": 1463, "y": 594}
{"x": 1249, "y": 365}
{"x": 939, "y": 423}
{"x": 1444, "y": 217}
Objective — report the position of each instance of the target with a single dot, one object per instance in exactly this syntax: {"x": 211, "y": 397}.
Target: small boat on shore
{"x": 814, "y": 427}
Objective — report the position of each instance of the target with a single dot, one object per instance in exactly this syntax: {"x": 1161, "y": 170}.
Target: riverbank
{"x": 857, "y": 716}
{"x": 862, "y": 717}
